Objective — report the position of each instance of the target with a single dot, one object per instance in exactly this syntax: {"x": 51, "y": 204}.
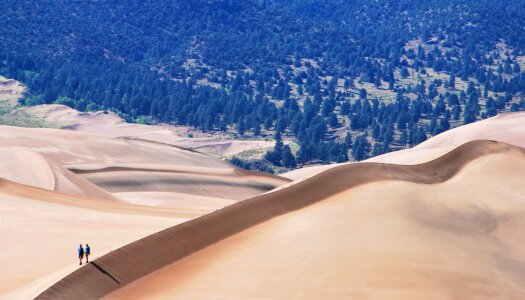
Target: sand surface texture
{"x": 60, "y": 188}
{"x": 449, "y": 228}
{"x": 444, "y": 220}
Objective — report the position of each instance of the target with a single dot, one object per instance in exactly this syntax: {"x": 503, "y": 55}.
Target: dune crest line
{"x": 153, "y": 252}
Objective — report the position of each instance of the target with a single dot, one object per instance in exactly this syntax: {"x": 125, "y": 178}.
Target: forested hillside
{"x": 344, "y": 79}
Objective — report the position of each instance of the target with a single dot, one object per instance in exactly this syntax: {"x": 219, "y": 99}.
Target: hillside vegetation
{"x": 344, "y": 79}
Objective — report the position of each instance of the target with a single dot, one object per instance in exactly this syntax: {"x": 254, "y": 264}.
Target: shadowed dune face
{"x": 136, "y": 181}
{"x": 60, "y": 188}
{"x": 226, "y": 183}
{"x": 443, "y": 229}
{"x": 97, "y": 166}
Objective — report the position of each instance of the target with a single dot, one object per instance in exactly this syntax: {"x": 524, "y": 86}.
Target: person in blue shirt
{"x": 80, "y": 251}
{"x": 87, "y": 251}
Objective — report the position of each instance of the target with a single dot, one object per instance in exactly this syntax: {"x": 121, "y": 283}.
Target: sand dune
{"x": 226, "y": 183}
{"x": 40, "y": 229}
{"x": 69, "y": 183}
{"x": 26, "y": 167}
{"x": 95, "y": 166}
{"x": 507, "y": 128}
{"x": 456, "y": 240}
{"x": 111, "y": 125}
{"x": 10, "y": 90}
{"x": 230, "y": 148}
{"x": 67, "y": 116}
{"x": 449, "y": 226}
{"x": 186, "y": 202}
{"x": 59, "y": 188}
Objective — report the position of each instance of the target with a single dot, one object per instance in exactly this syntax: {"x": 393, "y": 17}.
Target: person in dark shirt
{"x": 80, "y": 251}
{"x": 87, "y": 251}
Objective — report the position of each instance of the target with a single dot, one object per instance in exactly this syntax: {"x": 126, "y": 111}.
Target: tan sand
{"x": 95, "y": 166}
{"x": 59, "y": 188}
{"x": 41, "y": 229}
{"x": 461, "y": 239}
{"x": 10, "y": 90}
{"x": 222, "y": 183}
{"x": 183, "y": 202}
{"x": 443, "y": 229}
{"x": 230, "y": 148}
{"x": 111, "y": 125}
{"x": 66, "y": 116}
{"x": 449, "y": 228}
{"x": 306, "y": 172}
{"x": 507, "y": 128}
{"x": 26, "y": 167}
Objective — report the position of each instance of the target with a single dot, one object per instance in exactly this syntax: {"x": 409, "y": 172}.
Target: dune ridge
{"x": 49, "y": 193}
{"x": 506, "y": 128}
{"x": 133, "y": 261}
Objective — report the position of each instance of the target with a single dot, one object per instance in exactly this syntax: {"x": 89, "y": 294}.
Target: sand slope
{"x": 456, "y": 240}
{"x": 59, "y": 188}
{"x": 10, "y": 90}
{"x": 448, "y": 226}
{"x": 96, "y": 166}
{"x": 226, "y": 183}
{"x": 111, "y": 125}
{"x": 507, "y": 128}
{"x": 41, "y": 229}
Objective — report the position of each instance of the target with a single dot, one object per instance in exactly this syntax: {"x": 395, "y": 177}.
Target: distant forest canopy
{"x": 344, "y": 79}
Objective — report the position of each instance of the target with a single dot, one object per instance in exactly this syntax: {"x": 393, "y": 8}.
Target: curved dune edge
{"x": 116, "y": 167}
{"x": 506, "y": 128}
{"x": 120, "y": 267}
{"x": 226, "y": 183}
{"x": 102, "y": 205}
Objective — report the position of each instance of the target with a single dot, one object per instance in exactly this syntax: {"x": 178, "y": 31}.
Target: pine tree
{"x": 421, "y": 136}
{"x": 403, "y": 139}
{"x": 362, "y": 94}
{"x": 348, "y": 141}
{"x": 404, "y": 72}
{"x": 345, "y": 108}
{"x": 361, "y": 148}
{"x": 332, "y": 120}
{"x": 288, "y": 160}
{"x": 452, "y": 81}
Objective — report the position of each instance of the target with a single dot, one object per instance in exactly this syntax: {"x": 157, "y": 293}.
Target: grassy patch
{"x": 11, "y": 116}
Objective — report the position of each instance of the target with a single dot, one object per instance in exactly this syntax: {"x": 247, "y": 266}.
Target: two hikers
{"x": 81, "y": 252}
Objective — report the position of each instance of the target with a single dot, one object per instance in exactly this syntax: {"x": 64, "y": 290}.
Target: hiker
{"x": 88, "y": 252}
{"x": 80, "y": 251}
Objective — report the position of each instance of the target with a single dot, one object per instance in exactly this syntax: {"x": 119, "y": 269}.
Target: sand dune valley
{"x": 443, "y": 220}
